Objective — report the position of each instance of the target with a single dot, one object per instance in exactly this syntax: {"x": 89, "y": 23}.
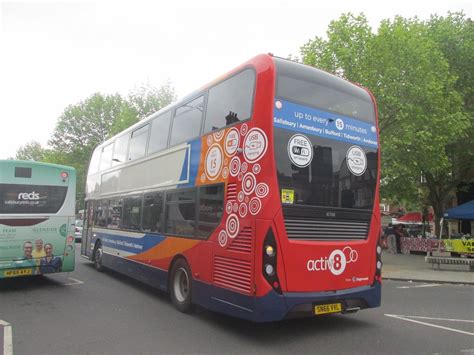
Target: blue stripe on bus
{"x": 195, "y": 156}
{"x": 308, "y": 120}
{"x": 130, "y": 244}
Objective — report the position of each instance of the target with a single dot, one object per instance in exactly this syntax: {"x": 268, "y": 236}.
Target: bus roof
{"x": 33, "y": 163}
{"x": 302, "y": 71}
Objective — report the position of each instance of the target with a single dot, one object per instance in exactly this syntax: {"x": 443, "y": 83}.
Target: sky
{"x": 57, "y": 53}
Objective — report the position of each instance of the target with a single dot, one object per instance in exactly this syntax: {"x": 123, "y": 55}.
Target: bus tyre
{"x": 181, "y": 286}
{"x": 98, "y": 257}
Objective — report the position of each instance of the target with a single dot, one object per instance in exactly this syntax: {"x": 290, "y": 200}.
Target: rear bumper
{"x": 302, "y": 304}
{"x": 275, "y": 307}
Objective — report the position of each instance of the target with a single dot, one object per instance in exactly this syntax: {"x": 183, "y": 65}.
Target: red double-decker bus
{"x": 255, "y": 196}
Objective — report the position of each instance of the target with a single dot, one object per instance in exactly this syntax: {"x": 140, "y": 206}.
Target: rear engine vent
{"x": 243, "y": 242}
{"x": 232, "y": 192}
{"x": 316, "y": 223}
{"x": 325, "y": 229}
{"x": 233, "y": 274}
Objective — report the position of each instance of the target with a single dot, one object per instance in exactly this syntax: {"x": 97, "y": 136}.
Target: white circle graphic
{"x": 222, "y": 238}
{"x": 278, "y": 105}
{"x": 339, "y": 124}
{"x": 337, "y": 262}
{"x": 209, "y": 140}
{"x": 235, "y": 207}
{"x": 248, "y": 183}
{"x": 256, "y": 168}
{"x": 244, "y": 129}
{"x": 255, "y": 205}
{"x": 232, "y": 226}
{"x": 218, "y": 135}
{"x": 234, "y": 166}
{"x": 228, "y": 207}
{"x": 225, "y": 172}
{"x": 255, "y": 145}
{"x": 356, "y": 160}
{"x": 261, "y": 190}
{"x": 213, "y": 161}
{"x": 300, "y": 150}
{"x": 240, "y": 176}
{"x": 244, "y": 167}
{"x": 243, "y": 210}
{"x": 350, "y": 254}
{"x": 240, "y": 196}
{"x": 231, "y": 141}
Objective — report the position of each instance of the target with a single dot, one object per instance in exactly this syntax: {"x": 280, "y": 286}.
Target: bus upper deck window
{"x": 230, "y": 101}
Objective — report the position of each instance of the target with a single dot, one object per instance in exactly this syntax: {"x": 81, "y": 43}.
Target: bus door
{"x": 87, "y": 230}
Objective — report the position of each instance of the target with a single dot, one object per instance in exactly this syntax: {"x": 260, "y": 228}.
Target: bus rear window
{"x": 20, "y": 199}
{"x": 22, "y": 172}
{"x": 315, "y": 88}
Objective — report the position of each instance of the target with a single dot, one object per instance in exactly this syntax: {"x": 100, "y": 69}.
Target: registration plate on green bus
{"x": 327, "y": 308}
{"x": 18, "y": 272}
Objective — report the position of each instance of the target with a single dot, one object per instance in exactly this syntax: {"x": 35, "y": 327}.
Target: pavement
{"x": 414, "y": 268}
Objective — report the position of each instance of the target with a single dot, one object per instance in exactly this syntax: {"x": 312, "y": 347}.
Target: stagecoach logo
{"x": 28, "y": 196}
{"x": 335, "y": 263}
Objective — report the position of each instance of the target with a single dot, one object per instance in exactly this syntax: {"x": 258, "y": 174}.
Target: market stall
{"x": 461, "y": 244}
{"x": 411, "y": 233}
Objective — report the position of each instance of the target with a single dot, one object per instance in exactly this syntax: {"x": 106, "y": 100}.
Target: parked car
{"x": 78, "y": 230}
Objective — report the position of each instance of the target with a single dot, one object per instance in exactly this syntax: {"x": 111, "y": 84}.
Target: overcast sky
{"x": 57, "y": 53}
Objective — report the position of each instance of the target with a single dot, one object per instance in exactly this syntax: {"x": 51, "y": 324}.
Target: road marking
{"x": 75, "y": 282}
{"x": 6, "y": 337}
{"x": 433, "y": 318}
{"x": 420, "y": 286}
{"x": 429, "y": 324}
{"x": 467, "y": 351}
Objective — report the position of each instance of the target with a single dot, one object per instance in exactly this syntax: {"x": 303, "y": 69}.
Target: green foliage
{"x": 421, "y": 74}
{"x": 31, "y": 151}
{"x": 345, "y": 51}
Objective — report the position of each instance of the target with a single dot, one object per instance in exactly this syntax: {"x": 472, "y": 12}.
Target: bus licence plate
{"x": 327, "y": 308}
{"x": 18, "y": 272}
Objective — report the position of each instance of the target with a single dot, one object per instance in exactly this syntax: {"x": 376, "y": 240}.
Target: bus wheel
{"x": 181, "y": 286}
{"x": 98, "y": 257}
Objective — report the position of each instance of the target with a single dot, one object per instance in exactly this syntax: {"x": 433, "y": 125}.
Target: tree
{"x": 421, "y": 113}
{"x": 344, "y": 53}
{"x": 148, "y": 99}
{"x": 31, "y": 151}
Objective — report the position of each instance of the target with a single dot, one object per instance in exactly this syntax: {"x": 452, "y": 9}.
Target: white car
{"x": 78, "y": 230}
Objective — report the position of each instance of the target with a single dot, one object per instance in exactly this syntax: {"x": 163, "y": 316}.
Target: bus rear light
{"x": 64, "y": 175}
{"x": 269, "y": 270}
{"x": 70, "y": 239}
{"x": 269, "y": 250}
{"x": 379, "y": 250}
{"x": 69, "y": 248}
{"x": 269, "y": 262}
{"x": 378, "y": 262}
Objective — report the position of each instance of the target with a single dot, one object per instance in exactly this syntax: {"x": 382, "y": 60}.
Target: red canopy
{"x": 414, "y": 217}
